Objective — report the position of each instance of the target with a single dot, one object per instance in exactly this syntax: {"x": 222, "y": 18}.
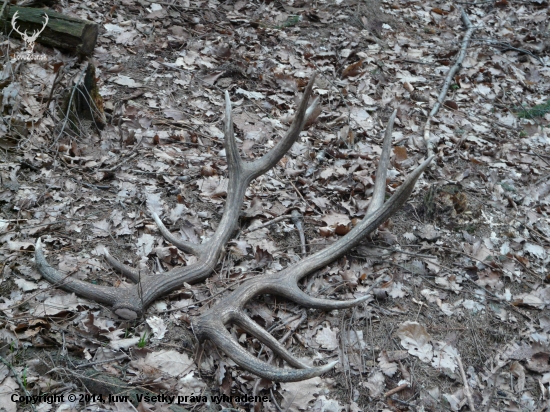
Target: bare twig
{"x": 67, "y": 114}
{"x": 266, "y": 224}
{"x": 449, "y": 79}
{"x": 507, "y": 46}
{"x": 467, "y": 389}
{"x": 125, "y": 160}
{"x": 458, "y": 63}
{"x": 84, "y": 365}
{"x": 297, "y": 220}
{"x": 396, "y": 390}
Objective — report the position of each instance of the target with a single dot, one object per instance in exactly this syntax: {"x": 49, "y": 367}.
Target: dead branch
{"x": 449, "y": 79}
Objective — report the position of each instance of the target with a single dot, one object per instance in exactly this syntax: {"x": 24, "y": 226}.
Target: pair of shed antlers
{"x": 131, "y": 302}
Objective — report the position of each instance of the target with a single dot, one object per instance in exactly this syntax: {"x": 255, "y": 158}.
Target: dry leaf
{"x": 416, "y": 340}
{"x": 353, "y": 69}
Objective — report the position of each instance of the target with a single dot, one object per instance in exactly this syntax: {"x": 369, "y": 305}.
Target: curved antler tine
{"x": 268, "y": 160}
{"x": 263, "y": 336}
{"x": 379, "y": 191}
{"x": 179, "y": 243}
{"x": 234, "y": 161}
{"x": 223, "y": 339}
{"x": 46, "y": 20}
{"x": 13, "y": 20}
{"x": 101, "y": 294}
{"x": 293, "y": 292}
{"x": 125, "y": 270}
{"x": 404, "y": 191}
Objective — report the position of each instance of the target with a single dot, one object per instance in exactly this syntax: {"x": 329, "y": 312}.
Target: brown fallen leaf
{"x": 439, "y": 11}
{"x": 451, "y": 105}
{"x": 353, "y": 69}
{"x": 400, "y": 154}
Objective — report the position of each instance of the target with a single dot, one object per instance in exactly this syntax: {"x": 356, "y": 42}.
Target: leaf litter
{"x": 465, "y": 264}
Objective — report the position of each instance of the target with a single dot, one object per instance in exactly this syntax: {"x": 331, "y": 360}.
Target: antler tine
{"x": 377, "y": 199}
{"x": 293, "y": 292}
{"x": 46, "y": 20}
{"x": 96, "y": 292}
{"x": 217, "y": 333}
{"x": 13, "y": 20}
{"x": 211, "y": 324}
{"x": 363, "y": 228}
{"x": 241, "y": 319}
{"x": 187, "y": 247}
{"x": 127, "y": 271}
{"x": 271, "y": 158}
{"x": 231, "y": 150}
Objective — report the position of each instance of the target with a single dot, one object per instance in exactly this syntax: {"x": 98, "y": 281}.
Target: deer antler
{"x": 130, "y": 302}
{"x": 13, "y": 20}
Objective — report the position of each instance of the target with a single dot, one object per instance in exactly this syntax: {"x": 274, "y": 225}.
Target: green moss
{"x": 536, "y": 111}
{"x": 508, "y": 187}
{"x": 470, "y": 228}
{"x": 291, "y": 21}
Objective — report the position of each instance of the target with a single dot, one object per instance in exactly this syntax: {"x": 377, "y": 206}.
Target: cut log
{"x": 63, "y": 32}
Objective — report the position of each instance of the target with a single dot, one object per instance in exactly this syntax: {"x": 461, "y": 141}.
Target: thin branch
{"x": 67, "y": 114}
{"x": 266, "y": 224}
{"x": 396, "y": 390}
{"x": 467, "y": 389}
{"x": 458, "y": 64}
{"x": 449, "y": 78}
{"x": 297, "y": 220}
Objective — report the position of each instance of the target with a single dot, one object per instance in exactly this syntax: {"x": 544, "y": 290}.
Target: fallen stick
{"x": 467, "y": 390}
{"x": 395, "y": 390}
{"x": 448, "y": 79}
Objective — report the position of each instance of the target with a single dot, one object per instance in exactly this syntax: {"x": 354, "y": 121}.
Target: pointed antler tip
{"x": 332, "y": 364}
{"x": 429, "y": 160}
{"x": 363, "y": 299}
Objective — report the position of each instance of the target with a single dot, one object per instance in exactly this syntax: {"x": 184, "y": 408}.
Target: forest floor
{"x": 460, "y": 321}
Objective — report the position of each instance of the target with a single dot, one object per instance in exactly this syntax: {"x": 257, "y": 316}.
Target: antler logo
{"x": 30, "y": 40}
